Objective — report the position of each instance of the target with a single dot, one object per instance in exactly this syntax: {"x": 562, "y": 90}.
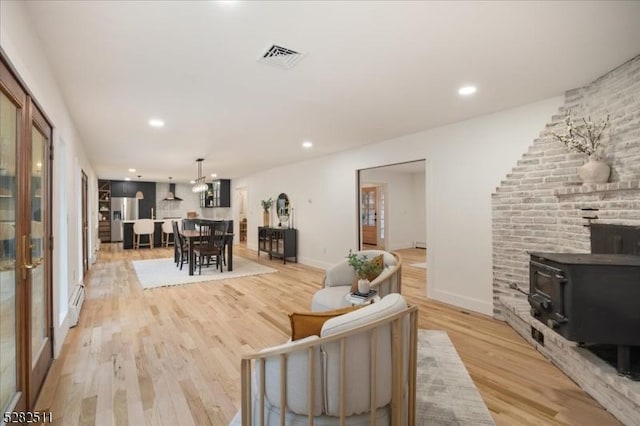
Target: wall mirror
{"x": 282, "y": 209}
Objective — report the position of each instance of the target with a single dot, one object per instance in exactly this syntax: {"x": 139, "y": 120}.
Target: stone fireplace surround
{"x": 542, "y": 206}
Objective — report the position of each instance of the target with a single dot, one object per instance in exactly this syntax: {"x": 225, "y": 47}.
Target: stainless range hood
{"x": 171, "y": 196}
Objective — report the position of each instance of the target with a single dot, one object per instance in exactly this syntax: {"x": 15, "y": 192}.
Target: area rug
{"x": 163, "y": 272}
{"x": 422, "y": 265}
{"x": 446, "y": 394}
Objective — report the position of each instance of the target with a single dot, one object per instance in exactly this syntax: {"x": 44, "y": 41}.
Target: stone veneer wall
{"x": 538, "y": 207}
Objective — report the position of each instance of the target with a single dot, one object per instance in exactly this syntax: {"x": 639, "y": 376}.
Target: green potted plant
{"x": 266, "y": 206}
{"x": 366, "y": 269}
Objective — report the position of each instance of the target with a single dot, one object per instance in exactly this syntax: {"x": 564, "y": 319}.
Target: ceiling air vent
{"x": 280, "y": 56}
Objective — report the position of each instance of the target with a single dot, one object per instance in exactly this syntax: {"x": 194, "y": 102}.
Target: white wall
{"x": 464, "y": 163}
{"x": 22, "y": 47}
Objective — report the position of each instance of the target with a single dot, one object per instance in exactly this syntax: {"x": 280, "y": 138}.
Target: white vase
{"x": 364, "y": 286}
{"x": 594, "y": 171}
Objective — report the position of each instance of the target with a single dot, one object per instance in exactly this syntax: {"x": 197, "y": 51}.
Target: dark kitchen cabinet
{"x": 218, "y": 194}
{"x": 121, "y": 188}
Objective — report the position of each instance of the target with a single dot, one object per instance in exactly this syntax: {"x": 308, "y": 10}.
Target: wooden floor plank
{"x": 172, "y": 355}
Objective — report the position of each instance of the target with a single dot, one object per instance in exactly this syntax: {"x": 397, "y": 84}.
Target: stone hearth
{"x": 542, "y": 206}
{"x": 618, "y": 394}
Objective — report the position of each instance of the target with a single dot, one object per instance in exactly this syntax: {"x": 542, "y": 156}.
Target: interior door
{"x": 25, "y": 235}
{"x": 40, "y": 289}
{"x": 369, "y": 215}
{"x": 12, "y": 296}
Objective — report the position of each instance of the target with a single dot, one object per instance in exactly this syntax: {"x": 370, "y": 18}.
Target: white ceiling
{"x": 372, "y": 71}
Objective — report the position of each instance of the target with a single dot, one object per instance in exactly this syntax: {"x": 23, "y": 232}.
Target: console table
{"x": 278, "y": 242}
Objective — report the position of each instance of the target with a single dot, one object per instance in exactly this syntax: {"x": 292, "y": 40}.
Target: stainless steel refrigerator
{"x": 122, "y": 208}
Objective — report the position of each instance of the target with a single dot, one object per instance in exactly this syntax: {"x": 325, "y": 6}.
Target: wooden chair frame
{"x": 400, "y": 407}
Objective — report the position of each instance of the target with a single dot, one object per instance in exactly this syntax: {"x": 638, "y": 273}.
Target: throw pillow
{"x": 304, "y": 324}
{"x": 378, "y": 260}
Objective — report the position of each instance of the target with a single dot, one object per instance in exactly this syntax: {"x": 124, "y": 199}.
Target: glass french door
{"x": 37, "y": 266}
{"x": 25, "y": 260}
{"x": 9, "y": 334}
{"x": 369, "y": 215}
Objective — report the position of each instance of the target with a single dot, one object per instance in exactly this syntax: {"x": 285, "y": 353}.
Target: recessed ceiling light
{"x": 467, "y": 90}
{"x": 132, "y": 170}
{"x": 307, "y": 144}
{"x": 156, "y": 122}
{"x": 127, "y": 178}
{"x": 214, "y": 175}
{"x": 192, "y": 181}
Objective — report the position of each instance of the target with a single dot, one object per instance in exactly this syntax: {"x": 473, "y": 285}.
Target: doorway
{"x": 392, "y": 206}
{"x": 25, "y": 246}
{"x": 85, "y": 224}
{"x": 242, "y": 193}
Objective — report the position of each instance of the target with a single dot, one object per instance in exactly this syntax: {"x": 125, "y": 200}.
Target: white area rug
{"x": 445, "y": 393}
{"x": 422, "y": 265}
{"x": 163, "y": 272}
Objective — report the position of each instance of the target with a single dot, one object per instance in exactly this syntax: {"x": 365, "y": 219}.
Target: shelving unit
{"x": 217, "y": 195}
{"x": 281, "y": 243}
{"x": 104, "y": 210}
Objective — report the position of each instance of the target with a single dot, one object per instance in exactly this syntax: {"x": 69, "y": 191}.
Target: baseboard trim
{"x": 471, "y": 304}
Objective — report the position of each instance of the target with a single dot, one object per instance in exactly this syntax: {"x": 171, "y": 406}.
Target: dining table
{"x": 193, "y": 235}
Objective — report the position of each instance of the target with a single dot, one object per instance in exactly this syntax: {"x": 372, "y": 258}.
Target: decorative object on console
{"x": 199, "y": 183}
{"x": 266, "y": 206}
{"x": 282, "y": 209}
{"x": 585, "y": 138}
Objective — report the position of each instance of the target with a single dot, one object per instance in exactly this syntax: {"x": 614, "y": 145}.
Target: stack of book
{"x": 365, "y": 297}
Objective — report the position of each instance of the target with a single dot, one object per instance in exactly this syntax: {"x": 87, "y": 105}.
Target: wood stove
{"x": 592, "y": 297}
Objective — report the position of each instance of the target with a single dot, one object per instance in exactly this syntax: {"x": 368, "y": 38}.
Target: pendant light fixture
{"x": 200, "y": 185}
{"x": 139, "y": 194}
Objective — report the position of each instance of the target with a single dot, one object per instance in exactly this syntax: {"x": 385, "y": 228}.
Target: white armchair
{"x": 361, "y": 370}
{"x": 339, "y": 278}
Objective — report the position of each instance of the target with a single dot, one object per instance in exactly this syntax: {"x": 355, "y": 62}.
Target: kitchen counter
{"x": 128, "y": 236}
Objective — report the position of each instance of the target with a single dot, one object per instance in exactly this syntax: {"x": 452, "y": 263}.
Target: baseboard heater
{"x": 420, "y": 244}
{"x": 75, "y": 304}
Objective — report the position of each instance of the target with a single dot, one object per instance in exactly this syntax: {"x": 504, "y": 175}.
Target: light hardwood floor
{"x": 171, "y": 356}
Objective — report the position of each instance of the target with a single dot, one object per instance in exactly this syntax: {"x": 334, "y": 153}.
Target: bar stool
{"x": 143, "y": 227}
{"x": 167, "y": 232}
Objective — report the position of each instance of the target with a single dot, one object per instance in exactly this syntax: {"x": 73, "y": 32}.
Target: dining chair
{"x": 181, "y": 245}
{"x": 211, "y": 244}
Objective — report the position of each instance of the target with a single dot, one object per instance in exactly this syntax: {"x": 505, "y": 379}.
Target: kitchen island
{"x": 128, "y": 235}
